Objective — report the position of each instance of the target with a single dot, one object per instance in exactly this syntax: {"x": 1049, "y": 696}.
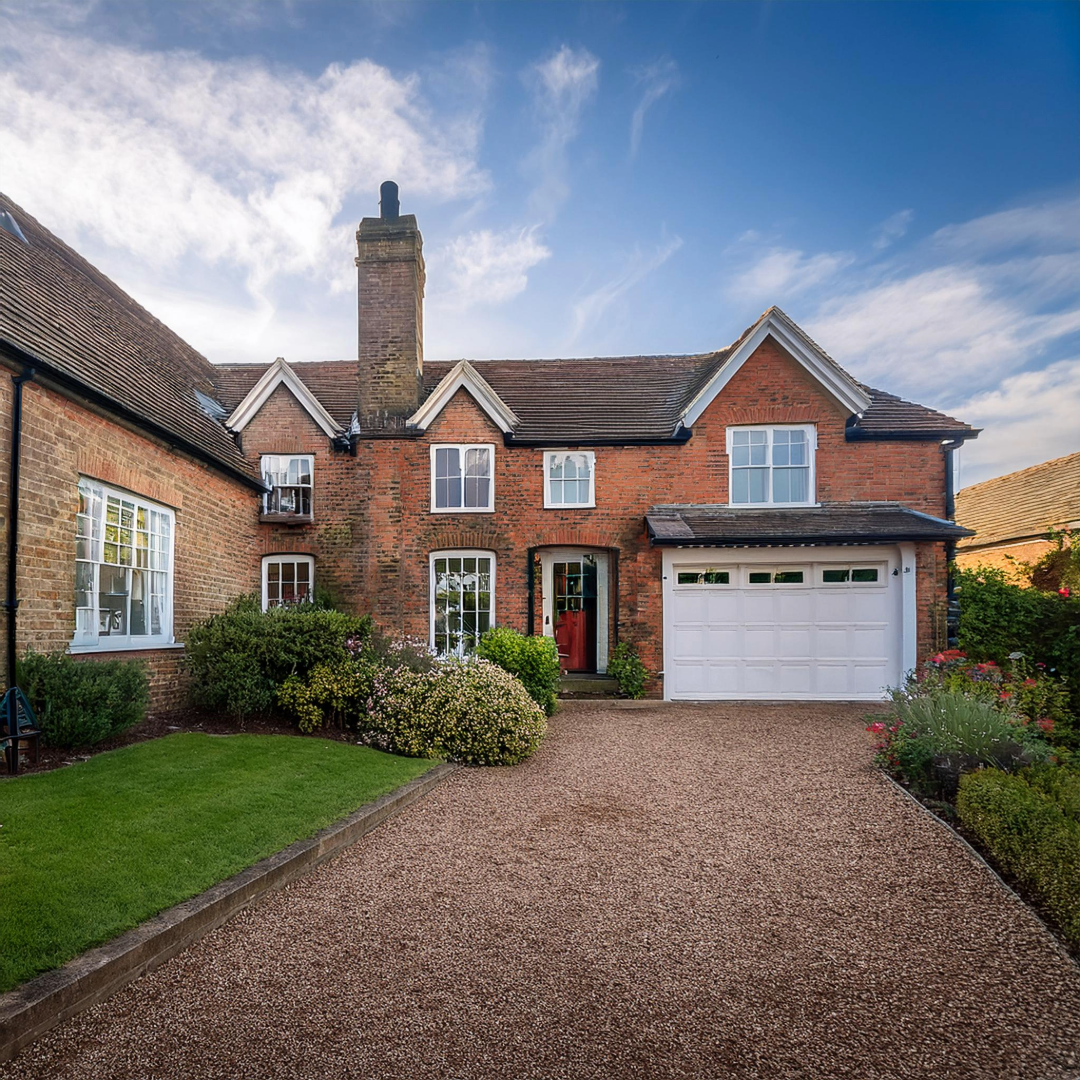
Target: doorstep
{"x": 579, "y": 683}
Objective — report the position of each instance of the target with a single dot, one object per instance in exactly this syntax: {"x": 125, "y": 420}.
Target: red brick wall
{"x": 216, "y": 521}
{"x": 397, "y": 531}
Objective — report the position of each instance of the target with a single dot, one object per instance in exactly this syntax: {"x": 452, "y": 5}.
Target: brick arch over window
{"x": 571, "y": 537}
{"x": 775, "y": 414}
{"x": 480, "y": 539}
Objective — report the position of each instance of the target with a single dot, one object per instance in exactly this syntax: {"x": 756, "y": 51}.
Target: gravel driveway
{"x": 675, "y": 891}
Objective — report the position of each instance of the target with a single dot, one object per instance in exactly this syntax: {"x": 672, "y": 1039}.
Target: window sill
{"x": 463, "y": 509}
{"x": 287, "y": 519}
{"x": 76, "y": 650}
{"x": 774, "y": 506}
{"x": 570, "y": 506}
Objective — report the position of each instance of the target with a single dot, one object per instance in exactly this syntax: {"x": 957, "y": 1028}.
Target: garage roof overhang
{"x": 846, "y": 523}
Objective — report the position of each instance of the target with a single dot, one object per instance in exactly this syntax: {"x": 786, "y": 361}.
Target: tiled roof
{"x": 333, "y": 382}
{"x": 1022, "y": 505}
{"x": 82, "y": 327}
{"x": 837, "y": 523}
{"x": 632, "y": 398}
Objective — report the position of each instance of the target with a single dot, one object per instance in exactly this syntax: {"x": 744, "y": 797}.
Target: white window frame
{"x": 286, "y": 557}
{"x": 463, "y": 449}
{"x": 155, "y": 555}
{"x": 457, "y": 553}
{"x": 549, "y": 461}
{"x": 811, "y": 441}
{"x": 285, "y": 515}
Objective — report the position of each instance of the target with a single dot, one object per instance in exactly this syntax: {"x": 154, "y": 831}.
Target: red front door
{"x": 574, "y": 604}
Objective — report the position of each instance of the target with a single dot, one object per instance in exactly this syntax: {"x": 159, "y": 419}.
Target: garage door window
{"x": 851, "y": 575}
{"x": 703, "y": 577}
{"x": 776, "y": 577}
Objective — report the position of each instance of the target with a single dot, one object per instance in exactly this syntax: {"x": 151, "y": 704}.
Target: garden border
{"x": 966, "y": 844}
{"x": 30, "y": 1010}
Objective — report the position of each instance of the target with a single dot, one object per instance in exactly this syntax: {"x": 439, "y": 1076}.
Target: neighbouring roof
{"x": 84, "y": 331}
{"x": 839, "y": 523}
{"x": 1022, "y": 505}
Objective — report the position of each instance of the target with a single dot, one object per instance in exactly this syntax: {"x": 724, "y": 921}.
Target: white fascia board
{"x": 464, "y": 375}
{"x": 839, "y": 385}
{"x": 279, "y": 373}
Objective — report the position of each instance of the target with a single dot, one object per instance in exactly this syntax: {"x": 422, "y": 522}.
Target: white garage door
{"x": 768, "y": 624}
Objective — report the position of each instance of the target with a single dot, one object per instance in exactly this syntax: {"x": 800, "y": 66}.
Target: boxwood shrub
{"x": 239, "y": 658}
{"x": 1030, "y": 835}
{"x": 470, "y": 711}
{"x": 83, "y": 702}
{"x": 534, "y": 660}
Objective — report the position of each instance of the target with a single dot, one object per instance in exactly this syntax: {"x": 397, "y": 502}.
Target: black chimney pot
{"x": 388, "y": 201}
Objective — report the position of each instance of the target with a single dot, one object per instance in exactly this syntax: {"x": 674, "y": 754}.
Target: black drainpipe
{"x": 952, "y": 605}
{"x": 11, "y": 604}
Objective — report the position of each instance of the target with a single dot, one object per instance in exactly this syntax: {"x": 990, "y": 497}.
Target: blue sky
{"x": 597, "y": 179}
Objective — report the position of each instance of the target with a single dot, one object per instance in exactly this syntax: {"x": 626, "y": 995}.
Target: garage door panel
{"x": 794, "y": 606}
{"x": 795, "y": 680}
{"x": 723, "y": 641}
{"x": 829, "y": 639}
{"x": 870, "y": 642}
{"x": 759, "y": 641}
{"x": 794, "y": 642}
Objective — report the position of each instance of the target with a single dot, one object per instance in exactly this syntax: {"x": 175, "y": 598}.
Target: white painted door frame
{"x": 548, "y": 558}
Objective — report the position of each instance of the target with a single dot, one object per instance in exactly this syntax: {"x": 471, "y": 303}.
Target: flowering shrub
{"x": 933, "y": 737}
{"x": 330, "y": 695}
{"x": 239, "y": 658}
{"x": 470, "y": 711}
{"x": 534, "y": 660}
{"x": 1025, "y": 691}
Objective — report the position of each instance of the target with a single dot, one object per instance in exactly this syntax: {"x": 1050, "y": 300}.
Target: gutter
{"x": 109, "y": 404}
{"x": 11, "y": 602}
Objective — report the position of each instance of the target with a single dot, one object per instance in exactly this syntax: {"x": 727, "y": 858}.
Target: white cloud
{"x": 1051, "y": 225}
{"x": 658, "y": 79}
{"x": 1031, "y": 417}
{"x": 892, "y": 228}
{"x": 781, "y": 272}
{"x": 160, "y": 157}
{"x": 562, "y": 85}
{"x": 591, "y": 308}
{"x": 485, "y": 267}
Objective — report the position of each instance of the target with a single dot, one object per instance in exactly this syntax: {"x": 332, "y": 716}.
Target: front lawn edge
{"x": 30, "y": 1010}
{"x": 1051, "y": 933}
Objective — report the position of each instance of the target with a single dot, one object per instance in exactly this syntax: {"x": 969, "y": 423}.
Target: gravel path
{"x": 677, "y": 891}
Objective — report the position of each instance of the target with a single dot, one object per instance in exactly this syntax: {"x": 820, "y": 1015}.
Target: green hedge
{"x": 534, "y": 660}
{"x": 1030, "y": 835}
{"x": 998, "y": 618}
{"x": 83, "y": 702}
{"x": 240, "y": 658}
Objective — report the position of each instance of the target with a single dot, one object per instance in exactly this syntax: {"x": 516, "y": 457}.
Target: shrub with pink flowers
{"x": 470, "y": 711}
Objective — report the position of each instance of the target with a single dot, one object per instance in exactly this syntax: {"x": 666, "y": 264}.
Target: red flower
{"x": 1005, "y": 695}
{"x": 876, "y": 728}
{"x": 1046, "y": 724}
{"x": 1030, "y": 682}
{"x": 1063, "y": 591}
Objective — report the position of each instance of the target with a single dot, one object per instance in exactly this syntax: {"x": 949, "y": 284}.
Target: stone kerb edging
{"x": 1013, "y": 895}
{"x": 30, "y": 1010}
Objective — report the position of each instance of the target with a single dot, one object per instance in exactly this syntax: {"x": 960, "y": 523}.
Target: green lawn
{"x": 91, "y": 850}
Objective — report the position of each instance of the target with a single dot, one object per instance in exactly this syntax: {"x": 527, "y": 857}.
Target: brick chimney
{"x": 390, "y": 268}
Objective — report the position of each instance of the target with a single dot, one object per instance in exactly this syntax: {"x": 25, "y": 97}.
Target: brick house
{"x": 1012, "y": 514}
{"x": 753, "y": 521}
